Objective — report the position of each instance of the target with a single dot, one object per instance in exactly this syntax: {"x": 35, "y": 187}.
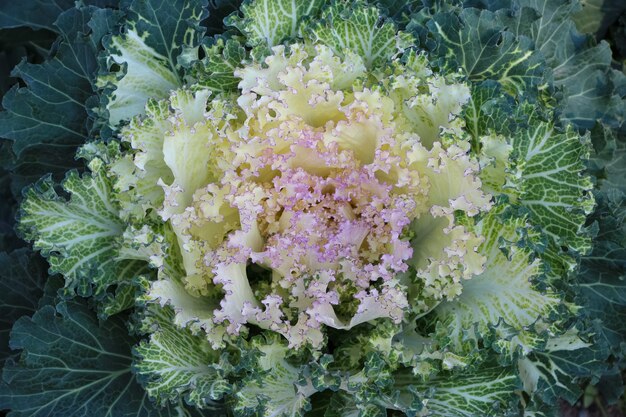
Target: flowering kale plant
{"x": 312, "y": 208}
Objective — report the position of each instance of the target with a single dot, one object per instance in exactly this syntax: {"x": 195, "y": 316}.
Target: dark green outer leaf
{"x": 48, "y": 119}
{"x": 611, "y": 385}
{"x": 40, "y": 14}
{"x": 51, "y": 107}
{"x": 492, "y": 42}
{"x": 35, "y": 162}
{"x": 37, "y": 14}
{"x": 597, "y": 15}
{"x": 603, "y": 272}
{"x": 17, "y": 44}
{"x": 218, "y": 10}
{"x": 400, "y": 10}
{"x": 591, "y": 89}
{"x": 22, "y": 277}
{"x": 73, "y": 366}
{"x": 617, "y": 38}
{"x": 8, "y": 240}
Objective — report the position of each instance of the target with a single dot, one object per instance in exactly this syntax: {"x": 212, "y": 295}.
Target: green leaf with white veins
{"x": 276, "y": 393}
{"x": 553, "y": 187}
{"x": 485, "y": 392}
{"x": 489, "y": 110}
{"x": 73, "y": 366}
{"x": 148, "y": 54}
{"x": 552, "y": 373}
{"x": 270, "y": 22}
{"x": 176, "y": 362}
{"x": 356, "y": 27}
{"x": 475, "y": 41}
{"x": 216, "y": 70}
{"x": 504, "y": 291}
{"x": 548, "y": 175}
{"x": 80, "y": 236}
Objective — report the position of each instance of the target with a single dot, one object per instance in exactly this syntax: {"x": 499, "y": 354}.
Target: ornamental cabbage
{"x": 323, "y": 208}
{"x": 328, "y": 185}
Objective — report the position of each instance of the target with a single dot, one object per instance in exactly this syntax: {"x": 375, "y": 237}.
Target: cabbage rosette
{"x": 303, "y": 202}
{"x": 331, "y": 209}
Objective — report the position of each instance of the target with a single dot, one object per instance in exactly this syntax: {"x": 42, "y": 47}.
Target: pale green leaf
{"x": 158, "y": 31}
{"x": 177, "y": 364}
{"x": 147, "y": 75}
{"x": 192, "y": 312}
{"x": 354, "y": 26}
{"x": 504, "y": 291}
{"x": 270, "y": 22}
{"x": 79, "y": 237}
